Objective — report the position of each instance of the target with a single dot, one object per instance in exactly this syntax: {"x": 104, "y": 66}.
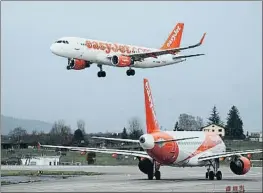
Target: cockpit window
{"x": 62, "y": 41}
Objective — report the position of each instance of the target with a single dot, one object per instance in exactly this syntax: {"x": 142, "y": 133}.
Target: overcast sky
{"x": 36, "y": 84}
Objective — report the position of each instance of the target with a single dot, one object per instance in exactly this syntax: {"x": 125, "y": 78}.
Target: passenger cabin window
{"x": 62, "y": 41}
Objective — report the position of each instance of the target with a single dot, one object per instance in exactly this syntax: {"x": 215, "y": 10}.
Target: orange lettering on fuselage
{"x": 115, "y": 47}
{"x": 95, "y": 45}
{"x": 88, "y": 44}
{"x": 109, "y": 47}
{"x": 127, "y": 49}
{"x": 102, "y": 46}
{"x": 121, "y": 49}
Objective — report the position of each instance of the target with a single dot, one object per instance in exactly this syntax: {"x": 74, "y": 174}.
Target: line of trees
{"x": 233, "y": 126}
{"x": 62, "y": 134}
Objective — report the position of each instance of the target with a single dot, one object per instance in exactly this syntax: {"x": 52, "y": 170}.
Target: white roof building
{"x": 215, "y": 128}
{"x": 41, "y": 160}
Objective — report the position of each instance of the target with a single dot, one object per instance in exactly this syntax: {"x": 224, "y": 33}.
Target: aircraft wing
{"x": 139, "y": 56}
{"x": 101, "y": 150}
{"x": 137, "y": 141}
{"x": 228, "y": 154}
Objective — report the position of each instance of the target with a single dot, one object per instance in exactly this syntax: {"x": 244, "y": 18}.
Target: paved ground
{"x": 129, "y": 178}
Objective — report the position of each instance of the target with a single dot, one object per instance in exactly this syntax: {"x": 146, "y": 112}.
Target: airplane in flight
{"x": 175, "y": 148}
{"x": 81, "y": 53}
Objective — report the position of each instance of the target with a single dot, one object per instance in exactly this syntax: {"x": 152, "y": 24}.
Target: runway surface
{"x": 129, "y": 178}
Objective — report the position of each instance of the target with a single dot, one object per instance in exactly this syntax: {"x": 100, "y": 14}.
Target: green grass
{"x": 53, "y": 173}
{"x": 101, "y": 158}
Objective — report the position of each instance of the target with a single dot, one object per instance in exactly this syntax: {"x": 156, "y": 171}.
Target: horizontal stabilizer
{"x": 118, "y": 139}
{"x": 181, "y": 139}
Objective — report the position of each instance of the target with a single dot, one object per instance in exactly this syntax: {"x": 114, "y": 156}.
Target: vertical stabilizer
{"x": 151, "y": 120}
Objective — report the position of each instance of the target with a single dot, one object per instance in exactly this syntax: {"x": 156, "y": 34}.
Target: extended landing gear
{"x": 130, "y": 72}
{"x": 154, "y": 172}
{"x": 215, "y": 173}
{"x": 70, "y": 64}
{"x": 101, "y": 73}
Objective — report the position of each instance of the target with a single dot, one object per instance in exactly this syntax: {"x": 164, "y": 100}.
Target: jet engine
{"x": 145, "y": 165}
{"x": 240, "y": 166}
{"x": 121, "y": 61}
{"x": 77, "y": 64}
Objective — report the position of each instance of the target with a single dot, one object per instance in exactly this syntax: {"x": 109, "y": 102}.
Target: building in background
{"x": 255, "y": 136}
{"x": 214, "y": 128}
{"x": 41, "y": 161}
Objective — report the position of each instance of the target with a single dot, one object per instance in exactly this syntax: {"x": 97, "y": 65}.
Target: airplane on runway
{"x": 175, "y": 148}
{"x": 81, "y": 53}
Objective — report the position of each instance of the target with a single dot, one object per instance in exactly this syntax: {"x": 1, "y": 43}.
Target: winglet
{"x": 202, "y": 39}
{"x": 38, "y": 145}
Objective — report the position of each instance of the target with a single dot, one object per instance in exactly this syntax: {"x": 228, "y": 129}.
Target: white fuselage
{"x": 96, "y": 51}
{"x": 189, "y": 150}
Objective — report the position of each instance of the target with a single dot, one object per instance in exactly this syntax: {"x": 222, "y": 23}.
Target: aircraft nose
{"x": 52, "y": 48}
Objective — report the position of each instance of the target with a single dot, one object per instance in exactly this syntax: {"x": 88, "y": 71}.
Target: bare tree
{"x": 60, "y": 133}
{"x": 199, "y": 123}
{"x": 81, "y": 126}
{"x": 18, "y": 133}
{"x": 186, "y": 122}
{"x": 190, "y": 123}
{"x": 135, "y": 128}
{"x": 34, "y": 132}
{"x": 176, "y": 127}
{"x": 59, "y": 128}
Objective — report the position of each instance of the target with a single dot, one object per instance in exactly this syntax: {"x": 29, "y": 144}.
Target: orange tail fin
{"x": 174, "y": 39}
{"x": 151, "y": 121}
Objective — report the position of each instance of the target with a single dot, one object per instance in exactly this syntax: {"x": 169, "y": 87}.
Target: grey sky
{"x": 36, "y": 84}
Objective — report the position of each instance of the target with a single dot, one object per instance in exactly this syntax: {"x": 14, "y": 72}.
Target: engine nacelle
{"x": 240, "y": 166}
{"x": 77, "y": 64}
{"x": 80, "y": 64}
{"x": 121, "y": 61}
{"x": 145, "y": 165}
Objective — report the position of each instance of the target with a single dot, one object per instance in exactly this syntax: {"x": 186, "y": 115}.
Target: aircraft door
{"x": 79, "y": 50}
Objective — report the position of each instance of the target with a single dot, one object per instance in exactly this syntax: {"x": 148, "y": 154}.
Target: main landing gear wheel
{"x": 219, "y": 175}
{"x": 157, "y": 175}
{"x": 130, "y": 72}
{"x": 154, "y": 172}
{"x": 101, "y": 73}
{"x": 150, "y": 175}
{"x": 215, "y": 172}
{"x": 211, "y": 175}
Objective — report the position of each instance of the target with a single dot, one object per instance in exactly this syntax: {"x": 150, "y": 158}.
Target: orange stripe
{"x": 208, "y": 143}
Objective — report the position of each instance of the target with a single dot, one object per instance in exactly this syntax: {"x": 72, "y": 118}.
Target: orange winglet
{"x": 38, "y": 145}
{"x": 202, "y": 39}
